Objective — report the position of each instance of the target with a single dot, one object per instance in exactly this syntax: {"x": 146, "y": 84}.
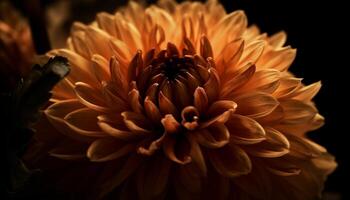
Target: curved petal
{"x": 220, "y": 106}
{"x": 278, "y": 39}
{"x": 297, "y": 112}
{"x": 177, "y": 149}
{"x": 200, "y": 99}
{"x": 84, "y": 122}
{"x": 244, "y": 130}
{"x": 90, "y": 96}
{"x": 107, "y": 149}
{"x": 279, "y": 59}
{"x": 56, "y": 113}
{"x": 215, "y": 136}
{"x": 265, "y": 80}
{"x": 306, "y": 93}
{"x": 116, "y": 132}
{"x": 170, "y": 124}
{"x": 275, "y": 145}
{"x": 230, "y": 161}
{"x": 255, "y": 105}
{"x": 222, "y": 118}
{"x": 304, "y": 148}
{"x": 136, "y": 122}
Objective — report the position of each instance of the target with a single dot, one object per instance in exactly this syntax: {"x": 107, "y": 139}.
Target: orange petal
{"x": 107, "y": 149}
{"x": 279, "y": 59}
{"x": 152, "y": 110}
{"x": 231, "y": 27}
{"x": 222, "y": 118}
{"x": 221, "y": 106}
{"x": 200, "y": 99}
{"x": 63, "y": 90}
{"x": 278, "y": 39}
{"x": 297, "y": 112}
{"x": 244, "y": 130}
{"x": 166, "y": 106}
{"x": 266, "y": 80}
{"x": 215, "y": 136}
{"x": 308, "y": 92}
{"x": 288, "y": 85}
{"x": 255, "y": 105}
{"x": 275, "y": 145}
{"x": 170, "y": 124}
{"x": 205, "y": 48}
{"x": 84, "y": 121}
{"x": 135, "y": 66}
{"x": 212, "y": 86}
{"x": 252, "y": 52}
{"x": 90, "y": 96}
{"x": 135, "y": 101}
{"x": 230, "y": 161}
{"x": 230, "y": 55}
{"x": 56, "y": 113}
{"x": 100, "y": 67}
{"x": 237, "y": 80}
{"x": 177, "y": 150}
{"x": 304, "y": 148}
{"x": 117, "y": 132}
{"x": 136, "y": 122}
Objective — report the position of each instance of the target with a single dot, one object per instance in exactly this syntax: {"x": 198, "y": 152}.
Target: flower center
{"x": 175, "y": 76}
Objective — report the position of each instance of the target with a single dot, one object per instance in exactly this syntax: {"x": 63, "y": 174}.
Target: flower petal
{"x": 275, "y": 145}
{"x": 107, "y": 149}
{"x": 152, "y": 111}
{"x": 244, "y": 130}
{"x": 297, "y": 112}
{"x": 166, "y": 106}
{"x": 170, "y": 124}
{"x": 219, "y": 107}
{"x": 136, "y": 122}
{"x": 90, "y": 97}
{"x": 230, "y": 161}
{"x": 308, "y": 92}
{"x": 256, "y": 104}
{"x": 177, "y": 150}
{"x": 84, "y": 121}
{"x": 278, "y": 39}
{"x": 215, "y": 136}
{"x": 266, "y": 80}
{"x": 279, "y": 59}
{"x": 56, "y": 113}
{"x": 200, "y": 99}
{"x": 116, "y": 132}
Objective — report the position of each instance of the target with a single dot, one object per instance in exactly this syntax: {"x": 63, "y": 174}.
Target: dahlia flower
{"x": 185, "y": 101}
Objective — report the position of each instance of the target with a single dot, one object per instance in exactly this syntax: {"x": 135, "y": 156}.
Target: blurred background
{"x": 318, "y": 29}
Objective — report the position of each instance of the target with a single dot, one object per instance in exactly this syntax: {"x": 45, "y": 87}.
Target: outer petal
{"x": 230, "y": 161}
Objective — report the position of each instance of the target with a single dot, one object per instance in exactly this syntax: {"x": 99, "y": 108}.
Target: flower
{"x": 185, "y": 101}
{"x": 17, "y": 50}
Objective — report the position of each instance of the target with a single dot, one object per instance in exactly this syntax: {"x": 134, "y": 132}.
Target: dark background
{"x": 318, "y": 29}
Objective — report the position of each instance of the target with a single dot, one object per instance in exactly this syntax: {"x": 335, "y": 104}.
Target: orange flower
{"x": 17, "y": 50}
{"x": 189, "y": 103}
